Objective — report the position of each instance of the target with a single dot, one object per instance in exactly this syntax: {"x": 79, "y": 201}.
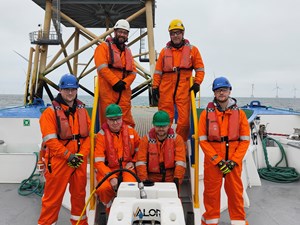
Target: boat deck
{"x": 272, "y": 203}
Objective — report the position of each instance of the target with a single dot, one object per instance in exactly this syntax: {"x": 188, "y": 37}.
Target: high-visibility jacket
{"x": 60, "y": 174}
{"x": 227, "y": 144}
{"x": 111, "y": 155}
{"x": 185, "y": 61}
{"x": 52, "y": 137}
{"x": 213, "y": 130}
{"x": 64, "y": 128}
{"x": 168, "y": 153}
{"x": 109, "y": 74}
{"x": 215, "y": 151}
{"x": 173, "y": 70}
{"x": 151, "y": 145}
{"x": 117, "y": 141}
{"x": 115, "y": 59}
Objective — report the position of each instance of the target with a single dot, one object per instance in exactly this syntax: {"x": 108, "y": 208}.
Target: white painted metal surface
{"x": 162, "y": 205}
{"x": 16, "y": 167}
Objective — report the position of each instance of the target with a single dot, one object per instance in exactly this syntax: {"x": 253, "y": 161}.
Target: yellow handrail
{"x": 196, "y": 150}
{"x": 92, "y": 135}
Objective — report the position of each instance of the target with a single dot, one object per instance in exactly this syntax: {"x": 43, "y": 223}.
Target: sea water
{"x": 287, "y": 103}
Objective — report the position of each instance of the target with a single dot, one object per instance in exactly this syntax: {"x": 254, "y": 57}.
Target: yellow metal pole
{"x": 28, "y": 75}
{"x": 196, "y": 150}
{"x": 92, "y": 135}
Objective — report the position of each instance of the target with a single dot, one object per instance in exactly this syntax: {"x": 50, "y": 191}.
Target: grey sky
{"x": 250, "y": 42}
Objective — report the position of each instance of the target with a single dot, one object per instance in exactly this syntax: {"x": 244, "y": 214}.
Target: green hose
{"x": 33, "y": 184}
{"x": 277, "y": 174}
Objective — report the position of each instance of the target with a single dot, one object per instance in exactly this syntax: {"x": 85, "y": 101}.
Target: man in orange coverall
{"x": 65, "y": 130}
{"x": 116, "y": 146}
{"x": 162, "y": 155}
{"x": 116, "y": 72}
{"x": 224, "y": 136}
{"x": 171, "y": 79}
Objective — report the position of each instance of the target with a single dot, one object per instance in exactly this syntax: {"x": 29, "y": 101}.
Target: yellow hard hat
{"x": 176, "y": 25}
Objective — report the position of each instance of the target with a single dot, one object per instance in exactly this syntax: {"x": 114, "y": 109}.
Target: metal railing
{"x": 45, "y": 38}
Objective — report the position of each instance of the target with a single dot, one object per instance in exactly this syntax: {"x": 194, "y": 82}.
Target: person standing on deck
{"x": 162, "y": 154}
{"x": 116, "y": 148}
{"x": 171, "y": 79}
{"x": 116, "y": 72}
{"x": 224, "y": 136}
{"x": 65, "y": 130}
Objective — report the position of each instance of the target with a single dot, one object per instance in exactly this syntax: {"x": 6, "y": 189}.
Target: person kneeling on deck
{"x": 162, "y": 155}
{"x": 65, "y": 130}
{"x": 224, "y": 136}
{"x": 116, "y": 147}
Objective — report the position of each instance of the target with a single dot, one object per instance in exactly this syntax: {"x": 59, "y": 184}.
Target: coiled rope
{"x": 277, "y": 174}
{"x": 33, "y": 184}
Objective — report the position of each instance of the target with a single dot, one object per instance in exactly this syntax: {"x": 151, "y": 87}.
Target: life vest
{"x": 64, "y": 129}
{"x": 186, "y": 61}
{"x": 111, "y": 153}
{"x": 168, "y": 151}
{"x": 115, "y": 59}
{"x": 213, "y": 131}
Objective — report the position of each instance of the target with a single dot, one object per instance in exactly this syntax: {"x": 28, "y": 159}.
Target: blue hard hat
{"x": 221, "y": 82}
{"x": 68, "y": 81}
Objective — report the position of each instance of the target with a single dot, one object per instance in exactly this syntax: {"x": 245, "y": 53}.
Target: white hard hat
{"x": 122, "y": 24}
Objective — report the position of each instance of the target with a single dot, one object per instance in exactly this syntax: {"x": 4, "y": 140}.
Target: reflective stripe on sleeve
{"x": 99, "y": 159}
{"x": 140, "y": 163}
{"x": 244, "y": 138}
{"x": 203, "y": 138}
{"x": 101, "y": 67}
{"x": 180, "y": 163}
{"x": 158, "y": 72}
{"x": 49, "y": 136}
{"x": 199, "y": 69}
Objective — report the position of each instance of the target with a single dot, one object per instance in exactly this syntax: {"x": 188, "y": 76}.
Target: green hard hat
{"x": 161, "y": 118}
{"x": 113, "y": 110}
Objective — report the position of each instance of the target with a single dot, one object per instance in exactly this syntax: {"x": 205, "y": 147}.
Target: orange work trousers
{"x": 233, "y": 185}
{"x": 55, "y": 187}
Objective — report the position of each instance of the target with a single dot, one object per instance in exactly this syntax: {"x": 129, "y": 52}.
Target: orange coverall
{"x": 166, "y": 83}
{"x": 214, "y": 152}
{"x": 180, "y": 161}
{"x": 56, "y": 181}
{"x": 107, "y": 78}
{"x": 105, "y": 191}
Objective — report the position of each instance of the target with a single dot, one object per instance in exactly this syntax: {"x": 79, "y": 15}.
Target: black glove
{"x": 119, "y": 86}
{"x": 195, "y": 88}
{"x": 75, "y": 160}
{"x": 148, "y": 183}
{"x": 155, "y": 94}
{"x": 223, "y": 167}
{"x": 176, "y": 181}
{"x": 230, "y": 164}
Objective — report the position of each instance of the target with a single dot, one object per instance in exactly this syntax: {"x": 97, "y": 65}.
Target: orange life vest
{"x": 115, "y": 59}
{"x": 168, "y": 149}
{"x": 111, "y": 153}
{"x": 64, "y": 129}
{"x": 186, "y": 61}
{"x": 213, "y": 131}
